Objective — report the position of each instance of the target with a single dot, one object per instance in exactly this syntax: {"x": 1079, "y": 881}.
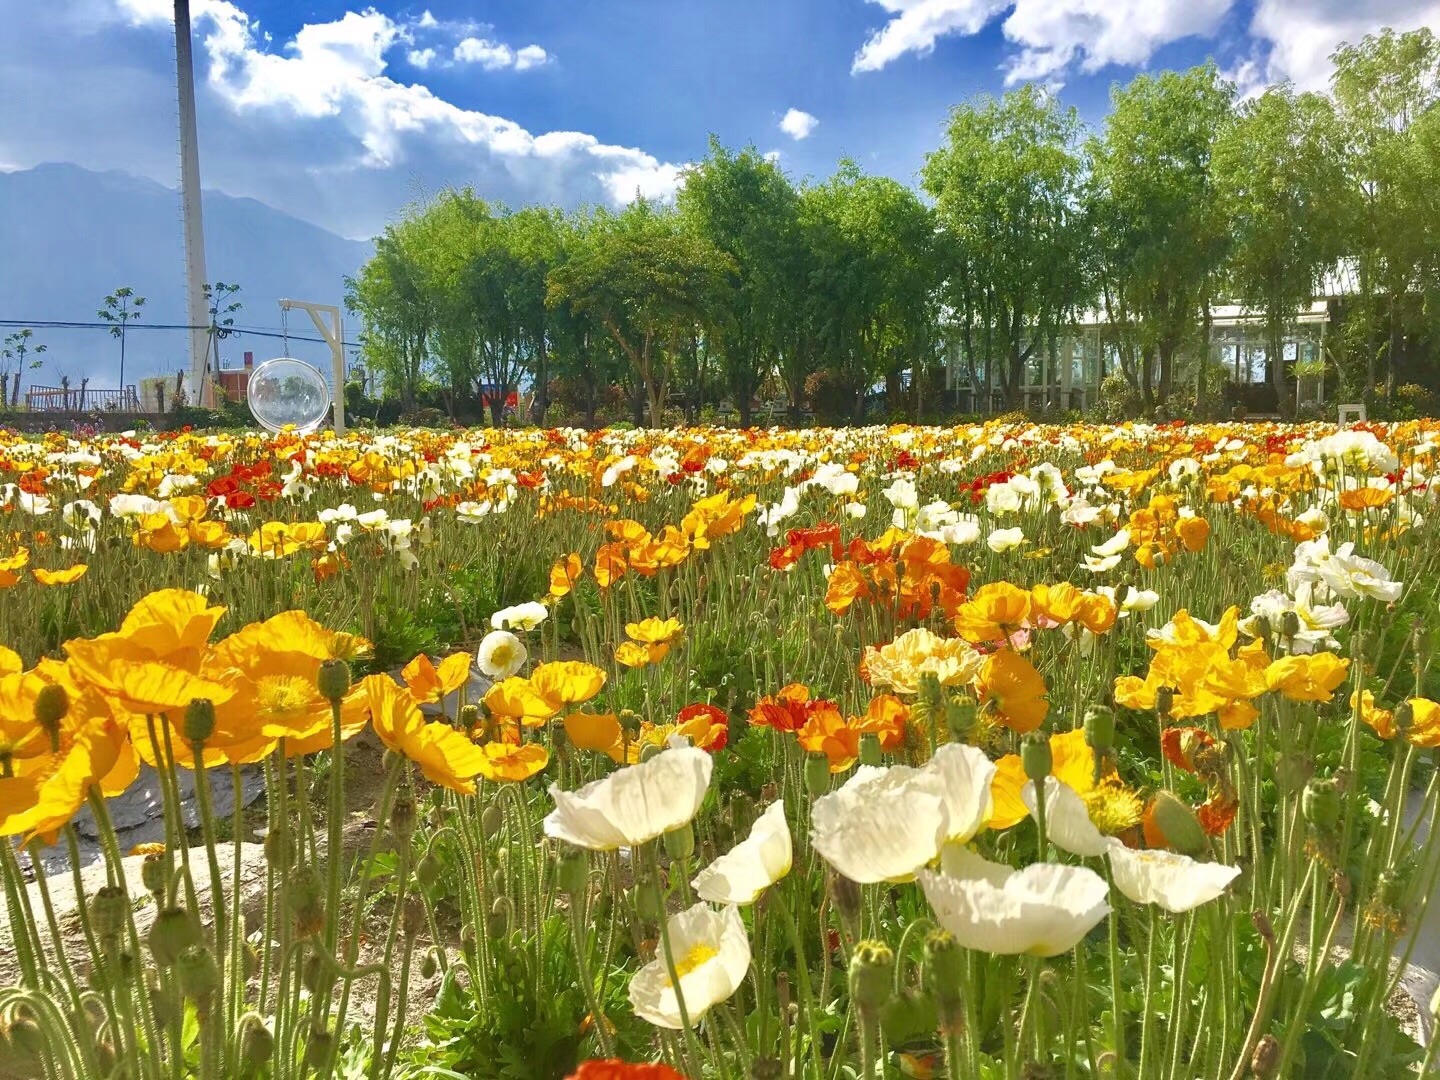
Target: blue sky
{"x": 340, "y": 112}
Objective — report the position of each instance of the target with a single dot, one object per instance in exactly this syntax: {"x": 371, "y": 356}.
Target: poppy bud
{"x": 1263, "y": 926}
{"x": 25, "y": 1036}
{"x": 870, "y": 749}
{"x": 1036, "y": 757}
{"x": 1122, "y": 593}
{"x": 468, "y": 719}
{"x": 650, "y": 751}
{"x": 817, "y": 773}
{"x": 313, "y": 974}
{"x": 51, "y": 705}
{"x": 280, "y": 848}
{"x": 257, "y": 1043}
{"x": 318, "y": 1048}
{"x": 492, "y": 818}
{"x": 333, "y": 680}
{"x": 414, "y": 921}
{"x": 1177, "y": 823}
{"x": 871, "y": 967}
{"x": 199, "y": 721}
{"x": 1264, "y": 630}
{"x": 427, "y": 871}
{"x": 944, "y": 970}
{"x": 196, "y": 972}
{"x": 930, "y": 692}
{"x": 909, "y": 1015}
{"x": 960, "y": 718}
{"x": 108, "y": 908}
{"x": 559, "y": 740}
{"x": 497, "y": 925}
{"x": 1404, "y": 718}
{"x": 1289, "y": 624}
{"x": 1100, "y": 728}
{"x": 572, "y": 870}
{"x": 155, "y": 873}
{"x": 307, "y": 903}
{"x": 680, "y": 843}
{"x": 1265, "y": 1061}
{"x": 629, "y": 722}
{"x": 429, "y": 965}
{"x": 649, "y": 902}
{"x": 846, "y": 894}
{"x": 402, "y": 818}
{"x": 1320, "y": 803}
{"x": 172, "y": 932}
{"x": 1164, "y": 700}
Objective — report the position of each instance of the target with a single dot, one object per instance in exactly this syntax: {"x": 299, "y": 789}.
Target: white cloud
{"x": 327, "y": 124}
{"x": 1298, "y": 36}
{"x": 420, "y": 58}
{"x": 915, "y": 24}
{"x": 1053, "y": 35}
{"x": 491, "y": 55}
{"x": 798, "y": 124}
{"x": 530, "y": 56}
{"x": 772, "y": 156}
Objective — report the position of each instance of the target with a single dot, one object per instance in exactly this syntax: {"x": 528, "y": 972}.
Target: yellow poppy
{"x": 68, "y": 576}
{"x": 1072, "y": 763}
{"x": 633, "y": 655}
{"x": 10, "y": 661}
{"x": 427, "y": 681}
{"x": 655, "y": 631}
{"x": 564, "y": 574}
{"x": 507, "y": 763}
{"x": 568, "y": 682}
{"x": 1013, "y": 690}
{"x": 1307, "y": 678}
{"x": 993, "y": 613}
{"x": 517, "y": 699}
{"x": 445, "y": 756}
{"x": 594, "y": 731}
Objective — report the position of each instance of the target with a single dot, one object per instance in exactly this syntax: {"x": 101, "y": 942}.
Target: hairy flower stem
{"x": 802, "y": 977}
{"x": 580, "y": 942}
{"x": 213, "y": 1033}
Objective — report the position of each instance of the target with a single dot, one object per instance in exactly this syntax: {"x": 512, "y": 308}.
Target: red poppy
{"x": 615, "y": 1069}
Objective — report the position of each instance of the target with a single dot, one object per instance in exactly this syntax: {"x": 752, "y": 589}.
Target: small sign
{"x": 1351, "y": 414}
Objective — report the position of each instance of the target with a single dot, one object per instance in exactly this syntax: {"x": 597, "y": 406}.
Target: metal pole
{"x": 190, "y": 204}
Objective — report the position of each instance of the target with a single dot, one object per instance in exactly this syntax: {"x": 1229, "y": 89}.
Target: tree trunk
{"x": 1206, "y": 320}
{"x": 637, "y": 403}
{"x": 542, "y": 382}
{"x": 1277, "y": 371}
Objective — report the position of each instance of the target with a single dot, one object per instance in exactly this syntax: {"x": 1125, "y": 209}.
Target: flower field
{"x": 989, "y": 751}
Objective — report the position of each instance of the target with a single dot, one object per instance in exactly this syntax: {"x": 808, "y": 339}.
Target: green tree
{"x": 122, "y": 307}
{"x": 744, "y": 206}
{"x": 397, "y": 305}
{"x": 1160, "y": 237}
{"x": 648, "y": 281}
{"x": 1386, "y": 89}
{"x": 1278, "y": 169}
{"x": 17, "y": 347}
{"x": 222, "y": 305}
{"x": 1007, "y": 188}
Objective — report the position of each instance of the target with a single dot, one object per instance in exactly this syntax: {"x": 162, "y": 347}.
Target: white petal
{"x": 635, "y": 804}
{"x": 1067, "y": 822}
{"x": 1175, "y": 882}
{"x": 751, "y": 866}
{"x": 882, "y": 825}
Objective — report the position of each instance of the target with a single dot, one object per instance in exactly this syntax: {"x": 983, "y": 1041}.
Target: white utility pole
{"x": 334, "y": 335}
{"x": 200, "y": 384}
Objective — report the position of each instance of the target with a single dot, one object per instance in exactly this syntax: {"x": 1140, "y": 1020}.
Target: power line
{"x": 228, "y": 331}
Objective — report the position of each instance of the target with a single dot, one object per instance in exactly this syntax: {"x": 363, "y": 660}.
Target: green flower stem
{"x": 1117, "y": 995}
{"x": 22, "y": 921}
{"x": 580, "y": 942}
{"x": 802, "y": 978}
{"x": 214, "y": 1035}
{"x": 692, "y": 1044}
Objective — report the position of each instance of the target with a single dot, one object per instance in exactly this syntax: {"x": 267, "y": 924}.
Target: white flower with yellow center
{"x": 1043, "y": 910}
{"x": 501, "y": 654}
{"x": 711, "y": 956}
{"x": 526, "y": 616}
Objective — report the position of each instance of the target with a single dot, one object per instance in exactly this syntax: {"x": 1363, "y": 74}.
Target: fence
{"x": 69, "y": 398}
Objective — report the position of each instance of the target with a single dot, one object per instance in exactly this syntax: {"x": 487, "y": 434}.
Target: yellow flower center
{"x": 284, "y": 695}
{"x": 1113, "y": 807}
{"x": 697, "y": 955}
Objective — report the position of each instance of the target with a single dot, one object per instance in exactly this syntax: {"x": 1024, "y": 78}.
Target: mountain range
{"x": 70, "y": 236}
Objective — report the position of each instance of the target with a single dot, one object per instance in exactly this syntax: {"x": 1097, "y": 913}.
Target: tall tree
{"x": 398, "y": 305}
{"x": 16, "y": 348}
{"x": 745, "y": 207}
{"x": 1007, "y": 188}
{"x": 648, "y": 281}
{"x": 1278, "y": 168}
{"x": 122, "y": 307}
{"x": 1153, "y": 199}
{"x": 1386, "y": 89}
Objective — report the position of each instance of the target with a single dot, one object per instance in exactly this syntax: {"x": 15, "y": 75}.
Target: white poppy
{"x": 1043, "y": 910}
{"x": 711, "y": 955}
{"x": 1176, "y": 882}
{"x": 881, "y": 825}
{"x": 1067, "y": 822}
{"x": 751, "y": 866}
{"x": 635, "y": 804}
{"x": 501, "y": 654}
{"x": 1002, "y": 540}
{"x": 964, "y": 774}
{"x": 526, "y": 616}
